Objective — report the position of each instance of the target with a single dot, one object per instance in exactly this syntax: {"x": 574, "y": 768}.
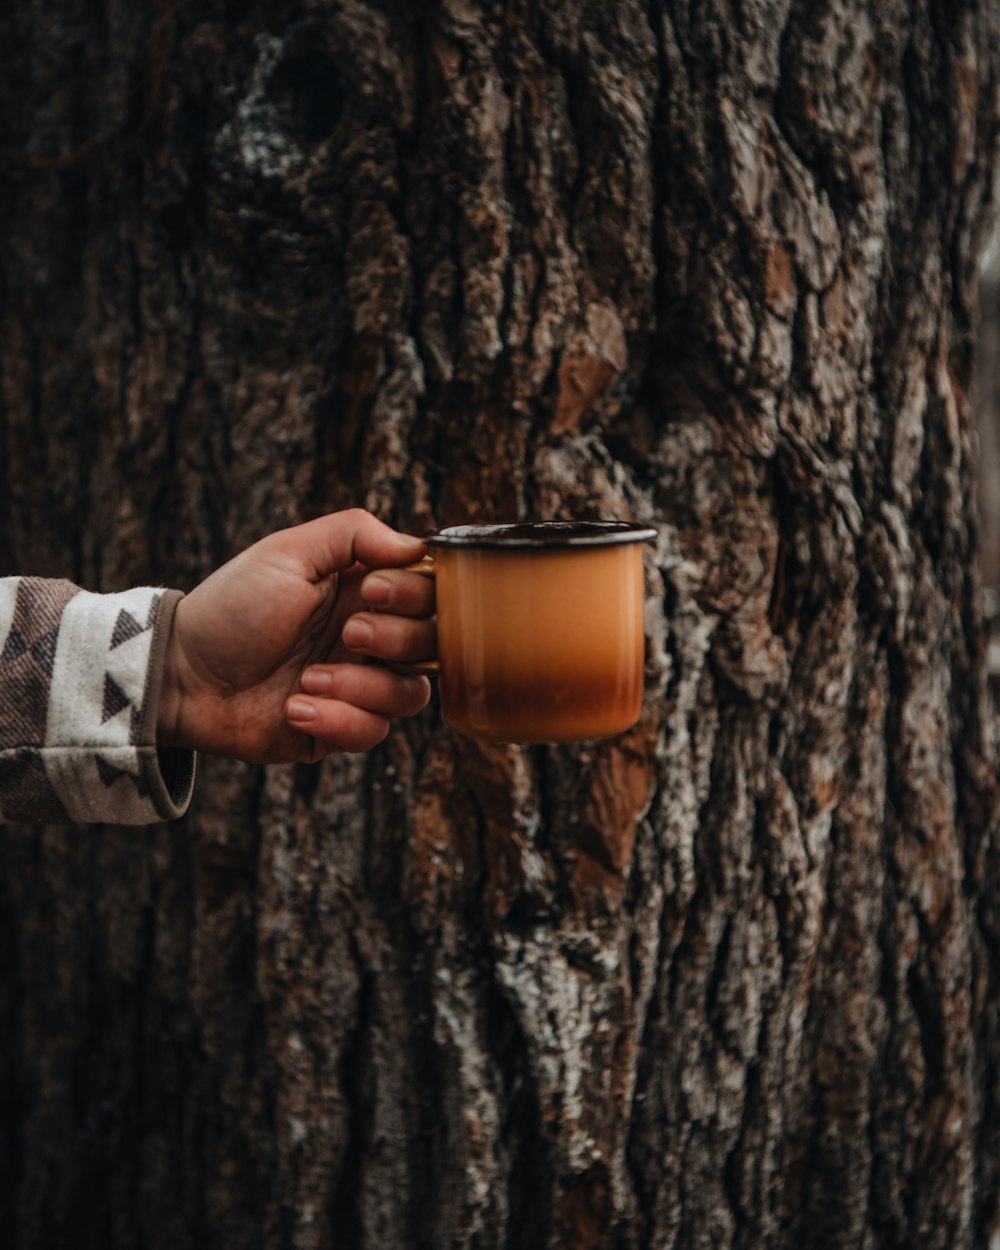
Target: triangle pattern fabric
{"x": 126, "y": 627}
{"x": 154, "y": 604}
{"x": 107, "y": 772}
{"x": 27, "y": 785}
{"x": 115, "y": 698}
{"x": 14, "y": 647}
{"x": 110, "y": 773}
{"x": 22, "y": 758}
{"x": 44, "y": 650}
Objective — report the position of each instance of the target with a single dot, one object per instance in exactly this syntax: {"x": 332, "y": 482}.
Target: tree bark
{"x": 728, "y": 980}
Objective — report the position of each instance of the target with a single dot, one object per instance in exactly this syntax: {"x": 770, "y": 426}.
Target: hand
{"x": 269, "y": 658}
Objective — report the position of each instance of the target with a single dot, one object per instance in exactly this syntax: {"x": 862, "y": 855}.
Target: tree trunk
{"x": 728, "y": 980}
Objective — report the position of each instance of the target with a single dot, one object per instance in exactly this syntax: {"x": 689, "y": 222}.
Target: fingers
{"x": 384, "y": 636}
{"x": 367, "y": 686}
{"x": 346, "y": 707}
{"x": 335, "y": 726}
{"x": 339, "y": 540}
{"x": 396, "y": 590}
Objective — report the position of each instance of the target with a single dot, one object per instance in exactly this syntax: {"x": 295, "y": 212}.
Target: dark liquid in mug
{"x": 582, "y": 705}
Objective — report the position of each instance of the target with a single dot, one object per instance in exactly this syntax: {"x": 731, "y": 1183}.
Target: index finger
{"x": 339, "y": 540}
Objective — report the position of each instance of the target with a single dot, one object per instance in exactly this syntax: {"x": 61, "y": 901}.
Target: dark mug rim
{"x": 542, "y": 534}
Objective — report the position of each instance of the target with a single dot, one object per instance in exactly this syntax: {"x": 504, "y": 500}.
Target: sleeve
{"x": 80, "y": 678}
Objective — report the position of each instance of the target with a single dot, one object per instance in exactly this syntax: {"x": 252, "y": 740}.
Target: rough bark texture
{"x": 730, "y": 980}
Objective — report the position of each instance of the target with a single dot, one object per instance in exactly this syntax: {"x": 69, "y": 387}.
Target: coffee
{"x": 540, "y": 629}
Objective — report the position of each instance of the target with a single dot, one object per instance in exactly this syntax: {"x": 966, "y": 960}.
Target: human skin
{"x": 274, "y": 657}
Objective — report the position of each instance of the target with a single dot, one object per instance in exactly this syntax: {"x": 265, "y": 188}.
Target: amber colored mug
{"x": 540, "y": 628}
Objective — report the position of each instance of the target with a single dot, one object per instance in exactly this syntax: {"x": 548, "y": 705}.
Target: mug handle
{"x": 424, "y": 668}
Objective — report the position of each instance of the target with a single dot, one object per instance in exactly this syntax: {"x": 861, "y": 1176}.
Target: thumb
{"x": 340, "y": 539}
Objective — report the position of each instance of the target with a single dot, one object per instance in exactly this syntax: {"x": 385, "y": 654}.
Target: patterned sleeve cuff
{"x": 97, "y": 759}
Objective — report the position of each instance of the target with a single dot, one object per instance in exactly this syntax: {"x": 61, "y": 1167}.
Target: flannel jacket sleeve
{"x": 80, "y": 678}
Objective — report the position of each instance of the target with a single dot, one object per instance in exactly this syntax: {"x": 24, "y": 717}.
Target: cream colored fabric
{"x": 80, "y": 679}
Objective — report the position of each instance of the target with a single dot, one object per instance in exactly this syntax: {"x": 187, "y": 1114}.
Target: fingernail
{"x": 376, "y": 589}
{"x": 357, "y": 633}
{"x": 316, "y": 681}
{"x": 301, "y": 709}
